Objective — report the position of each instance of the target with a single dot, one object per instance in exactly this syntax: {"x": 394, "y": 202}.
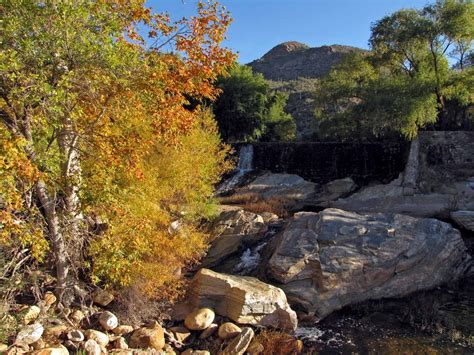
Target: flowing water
{"x": 244, "y": 166}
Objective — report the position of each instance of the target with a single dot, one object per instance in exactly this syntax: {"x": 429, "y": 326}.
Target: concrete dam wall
{"x": 324, "y": 162}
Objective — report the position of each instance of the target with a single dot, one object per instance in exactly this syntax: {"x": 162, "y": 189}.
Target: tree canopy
{"x": 94, "y": 126}
{"x": 406, "y": 82}
{"x": 247, "y": 110}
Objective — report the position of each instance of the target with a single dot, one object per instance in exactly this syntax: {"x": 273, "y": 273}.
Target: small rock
{"x": 16, "y": 350}
{"x": 180, "y": 333}
{"x": 31, "y": 314}
{"x": 151, "y": 337}
{"x": 108, "y": 320}
{"x": 102, "y": 297}
{"x": 228, "y": 330}
{"x": 3, "y": 347}
{"x": 120, "y": 343}
{"x": 56, "y": 331}
{"x": 255, "y": 348}
{"x": 49, "y": 298}
{"x": 122, "y": 329}
{"x": 200, "y": 319}
{"x": 195, "y": 352}
{"x": 239, "y": 345}
{"x": 92, "y": 348}
{"x": 71, "y": 346}
{"x": 168, "y": 350}
{"x": 99, "y": 337}
{"x": 29, "y": 334}
{"x": 209, "y": 331}
{"x": 77, "y": 316}
{"x": 59, "y": 350}
{"x": 75, "y": 335}
{"x": 39, "y": 344}
{"x": 269, "y": 217}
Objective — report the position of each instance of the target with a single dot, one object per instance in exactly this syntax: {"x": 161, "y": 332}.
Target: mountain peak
{"x": 291, "y": 60}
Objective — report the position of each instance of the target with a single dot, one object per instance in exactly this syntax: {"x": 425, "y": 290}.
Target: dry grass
{"x": 254, "y": 203}
{"x": 279, "y": 343}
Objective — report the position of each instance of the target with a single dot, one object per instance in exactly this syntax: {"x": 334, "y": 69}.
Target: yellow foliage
{"x": 18, "y": 222}
{"x": 154, "y": 217}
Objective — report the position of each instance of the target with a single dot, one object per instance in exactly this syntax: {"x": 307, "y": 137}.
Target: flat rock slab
{"x": 325, "y": 261}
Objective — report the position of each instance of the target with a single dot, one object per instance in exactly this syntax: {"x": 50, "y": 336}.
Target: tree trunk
{"x": 48, "y": 206}
{"x": 72, "y": 177}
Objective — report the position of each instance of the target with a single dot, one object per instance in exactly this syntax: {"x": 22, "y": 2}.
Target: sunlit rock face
{"x": 324, "y": 261}
{"x": 245, "y": 300}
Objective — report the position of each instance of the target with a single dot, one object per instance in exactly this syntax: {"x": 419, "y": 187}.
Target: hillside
{"x": 293, "y": 60}
{"x": 294, "y": 68}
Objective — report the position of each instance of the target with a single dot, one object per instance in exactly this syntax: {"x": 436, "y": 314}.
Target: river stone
{"x": 245, "y": 300}
{"x": 195, "y": 352}
{"x": 108, "y": 320}
{"x": 100, "y": 338}
{"x": 77, "y": 316}
{"x": 122, "y": 329}
{"x": 49, "y": 298}
{"x": 239, "y": 345}
{"x": 92, "y": 347}
{"x": 75, "y": 335}
{"x": 56, "y": 331}
{"x": 102, "y": 297}
{"x": 120, "y": 343}
{"x": 230, "y": 231}
{"x": 464, "y": 218}
{"x": 29, "y": 334}
{"x": 150, "y": 337}
{"x": 228, "y": 330}
{"x": 200, "y": 319}
{"x": 180, "y": 333}
{"x": 59, "y": 350}
{"x": 31, "y": 314}
{"x": 206, "y": 333}
{"x": 335, "y": 258}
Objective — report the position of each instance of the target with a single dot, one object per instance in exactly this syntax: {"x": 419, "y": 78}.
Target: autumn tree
{"x": 86, "y": 104}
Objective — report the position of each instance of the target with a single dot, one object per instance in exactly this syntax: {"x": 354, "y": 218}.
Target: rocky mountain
{"x": 295, "y": 68}
{"x": 294, "y": 60}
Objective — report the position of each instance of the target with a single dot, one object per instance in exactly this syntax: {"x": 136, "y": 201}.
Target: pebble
{"x": 200, "y": 319}
{"x": 228, "y": 330}
{"x": 108, "y": 320}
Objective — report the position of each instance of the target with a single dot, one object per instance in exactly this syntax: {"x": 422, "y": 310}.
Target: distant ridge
{"x": 293, "y": 60}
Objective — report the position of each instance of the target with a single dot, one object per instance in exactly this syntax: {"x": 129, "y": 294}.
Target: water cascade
{"x": 244, "y": 166}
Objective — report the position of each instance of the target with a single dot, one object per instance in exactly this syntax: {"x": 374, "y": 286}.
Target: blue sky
{"x": 259, "y": 25}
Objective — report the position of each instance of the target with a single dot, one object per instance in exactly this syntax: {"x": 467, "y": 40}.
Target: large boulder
{"x": 464, "y": 218}
{"x": 245, "y": 300}
{"x": 231, "y": 230}
{"x": 393, "y": 198}
{"x": 334, "y": 258}
{"x": 271, "y": 186}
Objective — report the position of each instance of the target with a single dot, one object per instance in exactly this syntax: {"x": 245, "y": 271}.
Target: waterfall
{"x": 244, "y": 166}
{"x": 245, "y": 158}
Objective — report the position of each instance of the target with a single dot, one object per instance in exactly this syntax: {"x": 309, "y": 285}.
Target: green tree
{"x": 247, "y": 110}
{"x": 405, "y": 82}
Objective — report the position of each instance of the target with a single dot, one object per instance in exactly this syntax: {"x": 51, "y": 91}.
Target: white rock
{"x": 75, "y": 335}
{"x": 29, "y": 334}
{"x": 108, "y": 320}
{"x": 92, "y": 348}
